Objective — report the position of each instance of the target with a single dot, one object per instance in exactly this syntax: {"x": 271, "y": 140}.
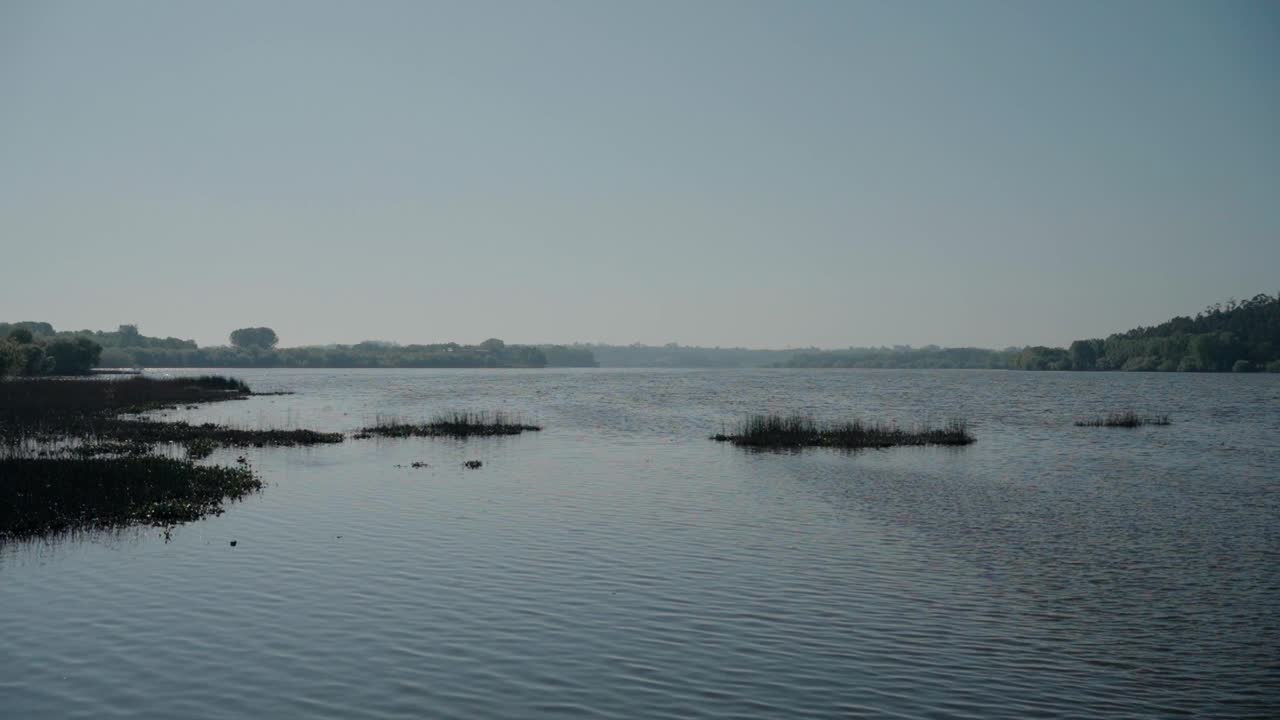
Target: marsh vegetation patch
{"x": 797, "y": 431}
{"x": 1124, "y": 419}
{"x": 48, "y": 495}
{"x": 456, "y": 424}
{"x": 72, "y": 456}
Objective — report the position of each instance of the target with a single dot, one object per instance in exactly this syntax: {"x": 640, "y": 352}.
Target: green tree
{"x": 1203, "y": 351}
{"x": 1042, "y": 358}
{"x": 1084, "y": 354}
{"x": 21, "y": 336}
{"x": 38, "y": 329}
{"x": 254, "y": 338}
{"x": 10, "y": 358}
{"x": 73, "y": 357}
{"x": 129, "y": 336}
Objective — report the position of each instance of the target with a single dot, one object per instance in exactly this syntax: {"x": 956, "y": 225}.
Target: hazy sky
{"x": 760, "y": 174}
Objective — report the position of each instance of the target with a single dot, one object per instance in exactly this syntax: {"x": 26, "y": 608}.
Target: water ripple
{"x": 618, "y": 565}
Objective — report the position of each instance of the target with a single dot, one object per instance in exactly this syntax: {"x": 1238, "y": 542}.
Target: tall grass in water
{"x": 795, "y": 431}
{"x": 86, "y": 414}
{"x": 454, "y": 424}
{"x": 40, "y": 496}
{"x": 1125, "y": 419}
{"x": 151, "y": 431}
{"x": 48, "y": 396}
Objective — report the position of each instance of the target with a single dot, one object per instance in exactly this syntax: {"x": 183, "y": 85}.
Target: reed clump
{"x": 1124, "y": 419}
{"x": 152, "y": 431}
{"x": 798, "y": 431}
{"x": 455, "y": 424}
{"x": 100, "y": 434}
{"x": 47, "y": 495}
{"x": 79, "y": 395}
{"x": 107, "y": 448}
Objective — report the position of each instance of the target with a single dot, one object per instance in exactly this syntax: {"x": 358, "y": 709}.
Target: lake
{"x": 619, "y": 564}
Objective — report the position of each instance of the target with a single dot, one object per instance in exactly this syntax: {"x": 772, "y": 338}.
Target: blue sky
{"x": 719, "y": 173}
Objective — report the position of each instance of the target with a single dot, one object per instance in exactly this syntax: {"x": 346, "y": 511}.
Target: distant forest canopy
{"x": 682, "y": 356}
{"x": 905, "y": 356}
{"x": 1238, "y": 336}
{"x": 255, "y": 347}
{"x": 899, "y": 356}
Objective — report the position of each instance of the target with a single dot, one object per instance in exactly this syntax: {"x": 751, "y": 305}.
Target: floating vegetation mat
{"x": 97, "y": 435}
{"x": 1125, "y": 419}
{"x": 151, "y": 431}
{"x": 70, "y": 460}
{"x": 797, "y": 431}
{"x": 460, "y": 424}
{"x": 46, "y": 495}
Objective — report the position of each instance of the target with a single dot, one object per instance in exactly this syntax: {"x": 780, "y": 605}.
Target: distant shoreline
{"x": 1240, "y": 336}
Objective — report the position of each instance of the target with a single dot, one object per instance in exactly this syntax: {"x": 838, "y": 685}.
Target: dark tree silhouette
{"x": 254, "y": 338}
{"x": 73, "y": 357}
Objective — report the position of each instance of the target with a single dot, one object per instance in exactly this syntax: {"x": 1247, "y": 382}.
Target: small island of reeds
{"x": 798, "y": 431}
{"x": 454, "y": 424}
{"x": 1124, "y": 419}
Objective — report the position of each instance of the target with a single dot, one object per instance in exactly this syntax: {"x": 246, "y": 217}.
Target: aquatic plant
{"x": 201, "y": 447}
{"x": 46, "y": 495}
{"x": 456, "y": 424}
{"x": 1125, "y": 419}
{"x": 66, "y": 419}
{"x": 70, "y": 461}
{"x": 187, "y": 433}
{"x": 109, "y": 447}
{"x": 46, "y": 397}
{"x": 200, "y": 439}
{"x": 796, "y": 431}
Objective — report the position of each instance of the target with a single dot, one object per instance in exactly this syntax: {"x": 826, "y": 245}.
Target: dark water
{"x": 618, "y": 564}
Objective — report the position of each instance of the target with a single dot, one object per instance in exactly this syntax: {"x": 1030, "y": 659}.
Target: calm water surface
{"x": 619, "y": 564}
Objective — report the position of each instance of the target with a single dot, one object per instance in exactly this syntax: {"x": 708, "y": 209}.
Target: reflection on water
{"x": 619, "y": 564}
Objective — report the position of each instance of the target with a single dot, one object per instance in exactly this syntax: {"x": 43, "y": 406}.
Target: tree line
{"x": 22, "y": 352}
{"x": 126, "y": 347}
{"x": 905, "y": 357}
{"x": 1236, "y": 336}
